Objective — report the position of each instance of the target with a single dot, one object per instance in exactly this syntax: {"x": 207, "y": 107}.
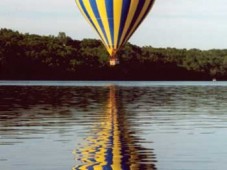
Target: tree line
{"x": 35, "y": 57}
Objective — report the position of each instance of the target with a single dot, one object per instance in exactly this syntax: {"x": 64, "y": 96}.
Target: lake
{"x": 60, "y": 125}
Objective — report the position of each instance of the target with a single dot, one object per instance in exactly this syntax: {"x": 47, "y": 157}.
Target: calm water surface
{"x": 113, "y": 125}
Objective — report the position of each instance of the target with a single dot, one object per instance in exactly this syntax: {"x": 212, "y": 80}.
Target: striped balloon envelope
{"x": 114, "y": 20}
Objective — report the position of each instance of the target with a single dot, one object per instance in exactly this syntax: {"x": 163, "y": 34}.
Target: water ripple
{"x": 113, "y": 127}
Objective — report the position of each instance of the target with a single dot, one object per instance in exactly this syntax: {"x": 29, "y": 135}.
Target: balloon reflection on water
{"x": 112, "y": 144}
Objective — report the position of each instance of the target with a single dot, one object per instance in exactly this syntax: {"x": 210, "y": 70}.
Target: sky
{"x": 186, "y": 24}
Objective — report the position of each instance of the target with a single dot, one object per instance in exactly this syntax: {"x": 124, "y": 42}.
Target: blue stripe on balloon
{"x": 124, "y": 14}
{"x": 145, "y": 14}
{"x": 135, "y": 17}
{"x": 88, "y": 16}
{"x": 110, "y": 15}
{"x": 97, "y": 15}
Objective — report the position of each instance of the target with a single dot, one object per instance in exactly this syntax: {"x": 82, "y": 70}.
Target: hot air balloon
{"x": 114, "y": 20}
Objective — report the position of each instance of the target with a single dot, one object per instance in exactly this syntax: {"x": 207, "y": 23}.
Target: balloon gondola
{"x": 114, "y": 20}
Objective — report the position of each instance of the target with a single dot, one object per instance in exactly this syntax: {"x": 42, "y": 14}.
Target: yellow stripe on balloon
{"x": 140, "y": 17}
{"x": 131, "y": 13}
{"x": 80, "y": 8}
{"x": 94, "y": 19}
{"x": 104, "y": 18}
{"x": 117, "y": 20}
{"x": 82, "y": 11}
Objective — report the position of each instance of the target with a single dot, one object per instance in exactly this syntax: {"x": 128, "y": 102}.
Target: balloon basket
{"x": 114, "y": 61}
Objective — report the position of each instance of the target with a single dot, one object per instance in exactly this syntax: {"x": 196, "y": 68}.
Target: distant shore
{"x": 35, "y": 57}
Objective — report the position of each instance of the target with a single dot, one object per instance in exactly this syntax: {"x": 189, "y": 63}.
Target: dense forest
{"x": 35, "y": 57}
